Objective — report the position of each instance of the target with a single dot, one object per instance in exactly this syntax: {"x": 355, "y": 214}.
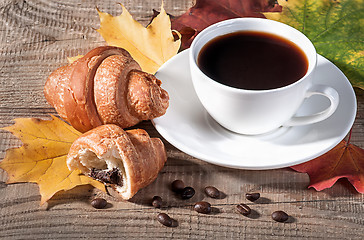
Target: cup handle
{"x": 323, "y": 90}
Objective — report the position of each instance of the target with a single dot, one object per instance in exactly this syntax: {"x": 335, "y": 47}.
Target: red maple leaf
{"x": 343, "y": 161}
{"x": 207, "y": 12}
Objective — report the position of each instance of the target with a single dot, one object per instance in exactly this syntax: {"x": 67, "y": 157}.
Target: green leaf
{"x": 334, "y": 27}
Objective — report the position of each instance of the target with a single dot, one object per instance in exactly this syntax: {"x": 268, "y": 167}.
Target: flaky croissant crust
{"x": 138, "y": 157}
{"x": 105, "y": 86}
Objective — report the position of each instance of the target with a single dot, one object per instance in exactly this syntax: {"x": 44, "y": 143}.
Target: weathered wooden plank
{"x": 69, "y": 213}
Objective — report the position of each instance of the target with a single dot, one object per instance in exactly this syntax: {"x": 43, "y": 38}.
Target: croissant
{"x": 106, "y": 86}
{"x": 127, "y": 160}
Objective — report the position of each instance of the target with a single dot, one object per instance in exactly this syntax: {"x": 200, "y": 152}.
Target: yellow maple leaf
{"x": 150, "y": 47}
{"x": 42, "y": 158}
{"x": 72, "y": 59}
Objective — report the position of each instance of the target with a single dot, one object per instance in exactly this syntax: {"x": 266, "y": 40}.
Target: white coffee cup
{"x": 258, "y": 111}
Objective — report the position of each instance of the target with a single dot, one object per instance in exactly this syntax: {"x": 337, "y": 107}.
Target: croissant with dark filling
{"x": 126, "y": 160}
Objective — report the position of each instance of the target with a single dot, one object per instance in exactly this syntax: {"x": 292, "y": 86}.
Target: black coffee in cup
{"x": 252, "y": 60}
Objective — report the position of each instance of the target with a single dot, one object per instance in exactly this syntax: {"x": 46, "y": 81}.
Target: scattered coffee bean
{"x": 178, "y": 186}
{"x": 212, "y": 192}
{"x": 187, "y": 193}
{"x": 252, "y": 196}
{"x": 157, "y": 201}
{"x": 164, "y": 219}
{"x": 243, "y": 209}
{"x": 99, "y": 203}
{"x": 279, "y": 216}
{"x": 203, "y": 207}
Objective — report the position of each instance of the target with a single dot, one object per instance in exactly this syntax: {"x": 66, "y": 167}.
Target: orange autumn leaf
{"x": 343, "y": 161}
{"x": 150, "y": 47}
{"x": 42, "y": 157}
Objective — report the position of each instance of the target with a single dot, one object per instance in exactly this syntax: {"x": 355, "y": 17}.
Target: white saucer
{"x": 188, "y": 126}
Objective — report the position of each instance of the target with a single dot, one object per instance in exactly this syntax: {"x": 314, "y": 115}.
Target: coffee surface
{"x": 252, "y": 60}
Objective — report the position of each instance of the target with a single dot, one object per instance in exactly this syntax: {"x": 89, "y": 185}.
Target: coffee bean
{"x": 279, "y": 216}
{"x": 164, "y": 219}
{"x": 243, "y": 209}
{"x": 157, "y": 201}
{"x": 178, "y": 186}
{"x": 212, "y": 192}
{"x": 99, "y": 203}
{"x": 187, "y": 193}
{"x": 252, "y": 196}
{"x": 203, "y": 207}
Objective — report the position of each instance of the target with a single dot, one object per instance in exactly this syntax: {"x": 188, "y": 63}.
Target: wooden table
{"x": 36, "y": 36}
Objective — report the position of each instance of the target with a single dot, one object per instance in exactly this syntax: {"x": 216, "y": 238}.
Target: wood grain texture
{"x": 36, "y": 36}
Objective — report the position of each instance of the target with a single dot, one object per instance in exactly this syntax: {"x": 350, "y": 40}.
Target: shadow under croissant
{"x": 162, "y": 186}
{"x": 78, "y": 194}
